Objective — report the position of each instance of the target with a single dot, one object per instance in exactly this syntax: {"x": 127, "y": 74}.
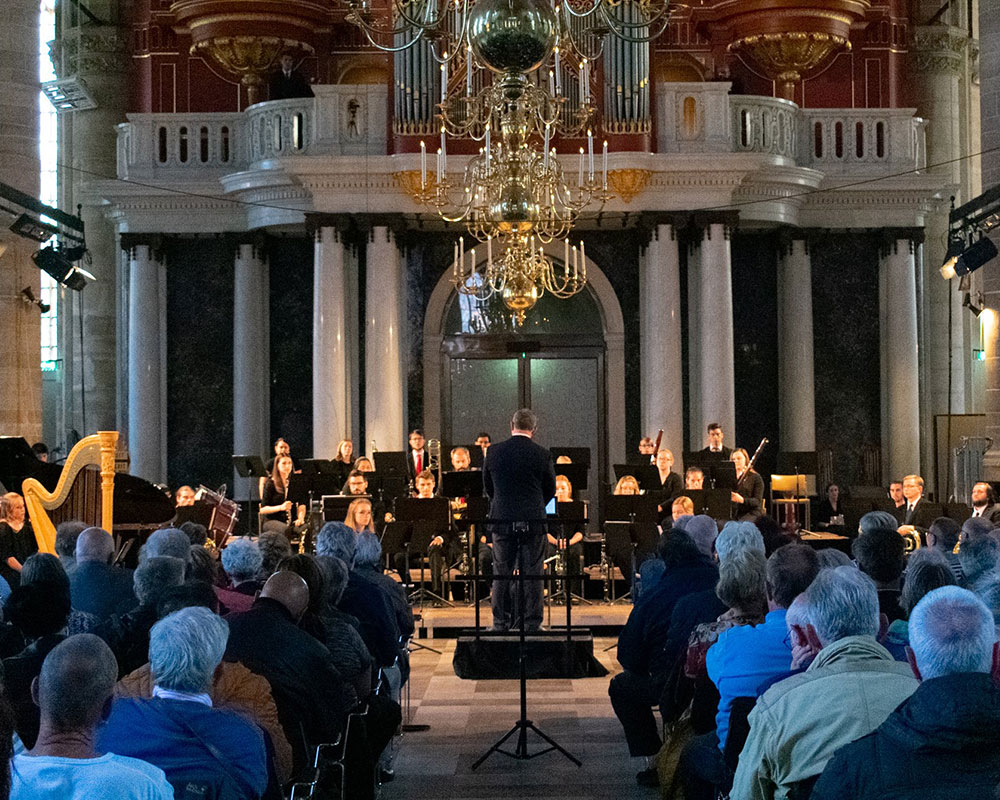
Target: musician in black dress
{"x": 670, "y": 482}
{"x": 17, "y": 539}
{"x": 565, "y": 536}
{"x": 277, "y": 512}
{"x": 829, "y": 514}
{"x": 343, "y": 462}
{"x": 749, "y": 495}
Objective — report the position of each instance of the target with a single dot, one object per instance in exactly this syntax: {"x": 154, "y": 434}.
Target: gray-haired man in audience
{"x": 944, "y": 741}
{"x": 849, "y": 689}
{"x": 73, "y": 693}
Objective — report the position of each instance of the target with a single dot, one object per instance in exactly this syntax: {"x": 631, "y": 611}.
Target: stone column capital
{"x": 154, "y": 241}
{"x": 92, "y": 50}
{"x": 889, "y": 239}
{"x": 939, "y": 48}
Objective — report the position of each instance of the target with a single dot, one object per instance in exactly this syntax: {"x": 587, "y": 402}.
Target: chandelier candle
{"x": 423, "y": 164}
{"x": 444, "y": 78}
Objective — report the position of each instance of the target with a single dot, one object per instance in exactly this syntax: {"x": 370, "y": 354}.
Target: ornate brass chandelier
{"x": 516, "y": 194}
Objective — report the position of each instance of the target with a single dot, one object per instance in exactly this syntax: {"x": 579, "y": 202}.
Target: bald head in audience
{"x": 95, "y": 544}
{"x": 75, "y": 685}
{"x": 290, "y": 590}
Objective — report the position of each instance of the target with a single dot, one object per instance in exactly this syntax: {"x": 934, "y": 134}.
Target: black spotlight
{"x": 972, "y": 259}
{"x": 58, "y": 262}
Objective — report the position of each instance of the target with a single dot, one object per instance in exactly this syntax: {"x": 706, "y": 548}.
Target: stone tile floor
{"x": 466, "y": 717}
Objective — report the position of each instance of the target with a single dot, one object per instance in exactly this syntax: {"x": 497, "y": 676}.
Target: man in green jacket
{"x": 849, "y": 689}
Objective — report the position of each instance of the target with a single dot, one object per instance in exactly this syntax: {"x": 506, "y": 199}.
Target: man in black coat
{"x": 943, "y": 742}
{"x": 97, "y": 587}
{"x": 311, "y": 696}
{"x": 716, "y": 452}
{"x": 288, "y": 82}
{"x": 520, "y": 479}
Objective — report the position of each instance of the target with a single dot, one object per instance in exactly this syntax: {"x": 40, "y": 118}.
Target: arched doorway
{"x": 566, "y": 362}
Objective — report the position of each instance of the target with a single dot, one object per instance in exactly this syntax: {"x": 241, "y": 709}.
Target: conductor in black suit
{"x": 716, "y": 452}
{"x": 288, "y": 82}
{"x": 520, "y": 479}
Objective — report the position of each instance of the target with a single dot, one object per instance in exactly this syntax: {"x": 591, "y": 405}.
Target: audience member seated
{"x": 637, "y": 689}
{"x": 978, "y": 557}
{"x": 877, "y": 519}
{"x": 975, "y": 528}
{"x": 66, "y": 535}
{"x": 926, "y": 569}
{"x": 701, "y": 608}
{"x": 73, "y": 693}
{"x": 167, "y": 542}
{"x": 742, "y": 659}
{"x": 313, "y": 699}
{"x": 311, "y": 622}
{"x": 944, "y": 740}
{"x": 368, "y": 564}
{"x": 273, "y": 547}
{"x": 128, "y": 634}
{"x": 347, "y": 648}
{"x": 362, "y": 598}
{"x": 830, "y": 557}
{"x": 46, "y": 567}
{"x": 242, "y": 562}
{"x": 773, "y": 534}
{"x": 879, "y": 553}
{"x": 40, "y": 611}
{"x": 204, "y": 567}
{"x": 849, "y": 689}
{"x": 234, "y": 687}
{"x": 218, "y": 753}
{"x": 96, "y": 586}
{"x": 943, "y": 536}
{"x": 196, "y": 532}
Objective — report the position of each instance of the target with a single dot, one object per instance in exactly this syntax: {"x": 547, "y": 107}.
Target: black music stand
{"x": 335, "y": 505}
{"x": 568, "y": 515}
{"x": 715, "y": 503}
{"x": 200, "y": 512}
{"x": 523, "y": 724}
{"x": 428, "y": 518}
{"x": 251, "y": 467}
{"x": 476, "y": 457}
{"x": 467, "y": 484}
{"x": 640, "y": 515}
{"x": 647, "y": 475}
{"x": 576, "y": 455}
{"x": 391, "y": 464}
{"x": 575, "y": 473}
{"x": 461, "y": 484}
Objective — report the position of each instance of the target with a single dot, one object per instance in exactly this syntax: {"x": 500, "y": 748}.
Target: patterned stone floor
{"x": 466, "y": 717}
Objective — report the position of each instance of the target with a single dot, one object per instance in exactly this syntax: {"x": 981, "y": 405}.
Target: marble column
{"x": 796, "y": 387}
{"x": 335, "y": 369}
{"x": 385, "y": 343}
{"x": 900, "y": 363}
{"x": 99, "y": 55}
{"x": 660, "y": 341}
{"x": 20, "y": 327}
{"x": 147, "y": 404}
{"x": 251, "y": 359}
{"x": 940, "y": 55}
{"x": 712, "y": 332}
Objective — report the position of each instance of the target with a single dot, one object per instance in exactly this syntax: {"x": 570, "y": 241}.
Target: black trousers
{"x": 525, "y": 552}
{"x": 633, "y": 696}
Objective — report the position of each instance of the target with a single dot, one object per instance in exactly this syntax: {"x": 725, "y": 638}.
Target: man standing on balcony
{"x": 288, "y": 82}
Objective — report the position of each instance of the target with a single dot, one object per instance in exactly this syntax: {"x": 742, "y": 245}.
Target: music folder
{"x": 647, "y": 475}
{"x": 576, "y": 474}
{"x": 335, "y": 506}
{"x": 462, "y": 484}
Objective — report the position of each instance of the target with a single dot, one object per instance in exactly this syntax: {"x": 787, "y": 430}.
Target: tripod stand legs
{"x": 520, "y": 752}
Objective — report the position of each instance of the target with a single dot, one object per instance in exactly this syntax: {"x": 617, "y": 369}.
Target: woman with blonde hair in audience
{"x": 359, "y": 516}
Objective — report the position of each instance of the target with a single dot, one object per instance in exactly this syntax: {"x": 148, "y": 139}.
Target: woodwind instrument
{"x": 656, "y": 447}
{"x": 752, "y": 461}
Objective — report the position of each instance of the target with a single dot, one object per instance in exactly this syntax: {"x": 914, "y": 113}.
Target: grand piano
{"x": 80, "y": 488}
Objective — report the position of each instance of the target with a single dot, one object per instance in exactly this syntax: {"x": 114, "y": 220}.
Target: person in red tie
{"x": 418, "y": 460}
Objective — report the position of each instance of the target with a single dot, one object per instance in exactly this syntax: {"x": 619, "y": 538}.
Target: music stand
{"x": 523, "y": 724}
{"x": 251, "y": 467}
{"x": 199, "y": 513}
{"x": 715, "y": 503}
{"x": 468, "y": 483}
{"x": 721, "y": 475}
{"x": 567, "y": 517}
{"x": 577, "y": 455}
{"x": 428, "y": 518}
{"x": 476, "y": 457}
{"x": 647, "y": 475}
{"x": 641, "y": 515}
{"x": 335, "y": 505}
{"x": 391, "y": 464}
{"x": 800, "y": 462}
{"x": 575, "y": 473}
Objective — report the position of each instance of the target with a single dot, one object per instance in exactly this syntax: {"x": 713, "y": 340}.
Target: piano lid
{"x": 137, "y": 501}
